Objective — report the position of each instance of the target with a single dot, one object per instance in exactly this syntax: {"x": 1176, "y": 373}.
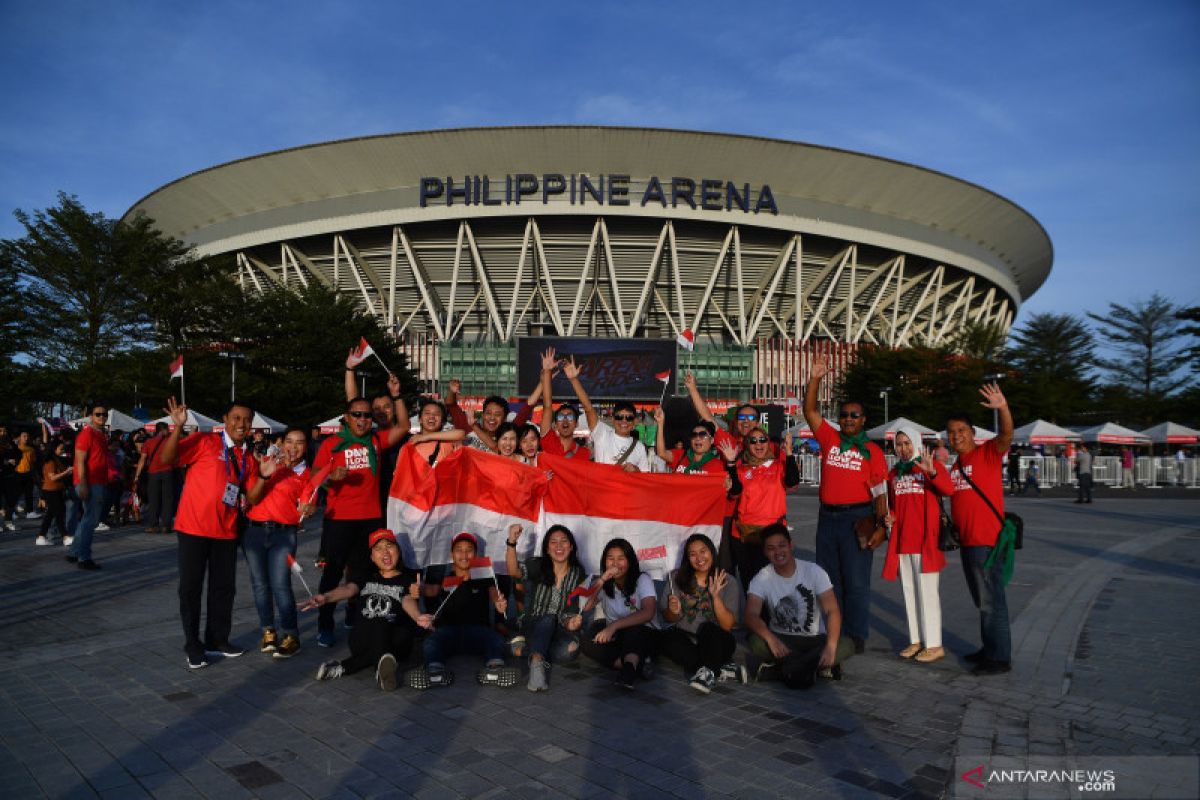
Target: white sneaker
{"x": 68, "y": 541}
{"x": 703, "y": 680}
{"x": 33, "y": 515}
{"x": 101, "y": 527}
{"x": 42, "y": 541}
{"x": 8, "y": 526}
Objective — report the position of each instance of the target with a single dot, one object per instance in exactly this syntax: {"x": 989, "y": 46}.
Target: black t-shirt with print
{"x": 381, "y": 599}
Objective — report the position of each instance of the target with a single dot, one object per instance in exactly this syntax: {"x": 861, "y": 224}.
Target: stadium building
{"x": 769, "y": 251}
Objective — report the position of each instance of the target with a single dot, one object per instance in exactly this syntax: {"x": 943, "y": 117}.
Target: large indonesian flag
{"x": 482, "y": 493}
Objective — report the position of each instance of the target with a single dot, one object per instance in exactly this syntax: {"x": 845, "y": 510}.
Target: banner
{"x": 483, "y": 494}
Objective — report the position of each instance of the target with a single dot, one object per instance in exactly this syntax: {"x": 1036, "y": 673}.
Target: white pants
{"x": 921, "y": 602}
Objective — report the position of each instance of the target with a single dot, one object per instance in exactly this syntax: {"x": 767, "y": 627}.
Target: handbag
{"x": 1018, "y": 523}
{"x": 948, "y": 535}
{"x": 870, "y": 532}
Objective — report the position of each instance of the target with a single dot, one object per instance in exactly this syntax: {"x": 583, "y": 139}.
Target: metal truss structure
{"x": 489, "y": 279}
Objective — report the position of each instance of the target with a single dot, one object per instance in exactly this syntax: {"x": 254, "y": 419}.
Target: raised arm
{"x": 400, "y": 409}
{"x": 812, "y": 414}
{"x": 994, "y": 399}
{"x": 168, "y": 452}
{"x": 510, "y": 551}
{"x": 351, "y": 383}
{"x": 689, "y": 380}
{"x": 660, "y": 447}
{"x": 549, "y": 362}
{"x": 457, "y": 415}
{"x": 571, "y": 370}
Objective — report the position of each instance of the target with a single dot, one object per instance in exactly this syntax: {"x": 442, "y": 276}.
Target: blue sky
{"x": 1086, "y": 114}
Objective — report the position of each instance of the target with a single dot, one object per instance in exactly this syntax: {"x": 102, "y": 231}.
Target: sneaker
{"x": 270, "y": 642}
{"x": 68, "y": 541}
{"x": 9, "y": 526}
{"x": 537, "y": 676}
{"x": 42, "y": 541}
{"x": 326, "y": 639}
{"x": 627, "y": 677}
{"x": 428, "y": 678}
{"x": 196, "y": 658}
{"x": 289, "y": 647}
{"x": 516, "y": 646}
{"x": 733, "y": 671}
{"x": 646, "y": 668}
{"x": 223, "y": 649}
{"x": 101, "y": 527}
{"x": 88, "y": 564}
{"x": 703, "y": 680}
{"x": 385, "y": 672}
{"x": 33, "y": 515}
{"x": 497, "y": 674}
{"x": 330, "y": 670}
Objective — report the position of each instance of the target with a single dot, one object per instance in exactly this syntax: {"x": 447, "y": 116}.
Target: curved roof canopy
{"x": 376, "y": 180}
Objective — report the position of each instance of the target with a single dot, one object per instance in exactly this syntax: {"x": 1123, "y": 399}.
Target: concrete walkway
{"x": 97, "y": 700}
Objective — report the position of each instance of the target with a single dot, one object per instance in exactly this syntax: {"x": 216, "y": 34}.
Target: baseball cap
{"x": 465, "y": 537}
{"x": 380, "y": 535}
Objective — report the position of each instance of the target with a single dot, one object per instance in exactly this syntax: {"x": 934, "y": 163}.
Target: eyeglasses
{"x": 747, "y": 416}
{"x": 623, "y": 417}
{"x": 700, "y": 434}
{"x": 757, "y": 440}
{"x": 850, "y": 415}
{"x": 100, "y": 414}
{"x": 565, "y": 416}
{"x": 360, "y": 414}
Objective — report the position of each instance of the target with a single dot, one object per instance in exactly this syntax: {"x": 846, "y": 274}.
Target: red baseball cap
{"x": 465, "y": 537}
{"x": 380, "y": 535}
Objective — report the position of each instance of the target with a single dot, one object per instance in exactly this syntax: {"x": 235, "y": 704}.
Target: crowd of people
{"x": 800, "y": 620}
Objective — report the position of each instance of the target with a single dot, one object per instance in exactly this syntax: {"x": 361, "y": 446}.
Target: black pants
{"x": 14, "y": 486}
{"x": 636, "y": 641}
{"x": 56, "y": 511}
{"x": 160, "y": 488}
{"x": 198, "y": 556}
{"x": 371, "y": 638}
{"x": 344, "y": 544}
{"x": 748, "y": 558}
{"x": 1084, "y": 493}
{"x": 712, "y": 647}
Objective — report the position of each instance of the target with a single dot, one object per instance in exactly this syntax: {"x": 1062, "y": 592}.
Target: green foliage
{"x": 1052, "y": 354}
{"x": 1147, "y": 339}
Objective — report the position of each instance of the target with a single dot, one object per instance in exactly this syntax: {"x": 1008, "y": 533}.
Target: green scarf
{"x": 348, "y": 440}
{"x": 858, "y": 443}
{"x": 698, "y": 466}
{"x": 1004, "y": 548}
{"x": 905, "y": 467}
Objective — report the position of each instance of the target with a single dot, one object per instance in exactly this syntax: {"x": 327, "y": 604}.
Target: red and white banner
{"x": 483, "y": 494}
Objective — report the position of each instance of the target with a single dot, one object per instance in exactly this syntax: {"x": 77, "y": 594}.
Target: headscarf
{"x": 914, "y": 436}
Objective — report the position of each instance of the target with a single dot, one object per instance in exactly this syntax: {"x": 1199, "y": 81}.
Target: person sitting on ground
{"x": 702, "y": 603}
{"x": 549, "y": 623}
{"x": 390, "y": 617}
{"x": 624, "y": 639}
{"x": 463, "y": 622}
{"x": 802, "y": 634}
{"x": 913, "y": 550}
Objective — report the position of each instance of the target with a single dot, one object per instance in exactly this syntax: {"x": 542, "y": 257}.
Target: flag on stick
{"x": 584, "y": 593}
{"x": 298, "y": 571}
{"x": 482, "y": 569}
{"x": 362, "y": 352}
{"x": 177, "y": 368}
{"x": 686, "y": 340}
{"x": 451, "y": 582}
{"x": 665, "y": 377}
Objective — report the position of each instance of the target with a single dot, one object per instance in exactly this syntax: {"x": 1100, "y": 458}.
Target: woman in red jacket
{"x": 913, "y": 548}
{"x": 765, "y": 477}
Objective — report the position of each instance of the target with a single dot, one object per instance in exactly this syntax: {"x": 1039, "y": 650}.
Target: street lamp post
{"x": 884, "y": 394}
{"x": 233, "y": 357}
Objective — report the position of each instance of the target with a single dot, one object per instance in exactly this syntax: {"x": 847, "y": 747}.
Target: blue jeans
{"x": 987, "y": 590}
{"x": 267, "y": 552}
{"x": 449, "y": 640}
{"x": 849, "y": 568}
{"x": 92, "y": 507}
{"x": 549, "y": 639}
{"x": 74, "y": 512}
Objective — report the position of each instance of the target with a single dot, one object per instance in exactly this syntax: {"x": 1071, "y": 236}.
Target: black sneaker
{"x": 733, "y": 671}
{"x": 223, "y": 649}
{"x": 422, "y": 678}
{"x": 627, "y": 677}
{"x": 646, "y": 668}
{"x": 196, "y": 658}
{"x": 499, "y": 675}
{"x": 990, "y": 667}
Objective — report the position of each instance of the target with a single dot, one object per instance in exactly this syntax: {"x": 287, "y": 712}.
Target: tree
{"x": 14, "y": 335}
{"x": 980, "y": 340}
{"x": 1191, "y": 316}
{"x": 1053, "y": 352}
{"x": 1149, "y": 354}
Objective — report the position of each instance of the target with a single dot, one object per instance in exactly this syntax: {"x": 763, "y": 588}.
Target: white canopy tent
{"x": 263, "y": 422}
{"x": 888, "y": 429}
{"x": 1041, "y": 432}
{"x": 117, "y": 421}
{"x": 1172, "y": 433}
{"x": 195, "y": 422}
{"x": 981, "y": 434}
{"x": 1112, "y": 433}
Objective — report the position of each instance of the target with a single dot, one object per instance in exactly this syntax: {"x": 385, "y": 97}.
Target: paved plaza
{"x": 97, "y": 700}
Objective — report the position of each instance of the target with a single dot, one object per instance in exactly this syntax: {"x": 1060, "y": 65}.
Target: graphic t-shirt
{"x": 697, "y": 605}
{"x": 977, "y": 525}
{"x": 95, "y": 444}
{"x": 680, "y": 463}
{"x": 847, "y": 478}
{"x": 281, "y": 499}
{"x": 792, "y": 602}
{"x": 381, "y": 599}
{"x": 619, "y": 606}
{"x": 357, "y": 495}
{"x": 211, "y": 468}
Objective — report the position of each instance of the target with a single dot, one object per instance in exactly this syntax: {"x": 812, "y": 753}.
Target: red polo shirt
{"x": 847, "y": 478}
{"x": 152, "y": 449}
{"x": 357, "y": 495}
{"x": 977, "y": 524}
{"x": 95, "y": 444}
{"x": 286, "y": 489}
{"x": 553, "y": 445}
{"x": 202, "y": 510}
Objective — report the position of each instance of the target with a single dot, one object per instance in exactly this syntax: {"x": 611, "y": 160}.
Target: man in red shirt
{"x": 206, "y": 525}
{"x": 91, "y": 481}
{"x": 853, "y": 487}
{"x": 558, "y": 429}
{"x": 979, "y": 526}
{"x": 352, "y": 506}
{"x": 160, "y": 482}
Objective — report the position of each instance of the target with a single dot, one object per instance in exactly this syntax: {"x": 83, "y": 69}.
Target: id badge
{"x": 231, "y": 495}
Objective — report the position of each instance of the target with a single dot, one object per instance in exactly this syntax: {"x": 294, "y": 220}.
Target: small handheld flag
{"x": 665, "y": 377}
{"x": 451, "y": 583}
{"x": 361, "y": 353}
{"x": 298, "y": 571}
{"x": 177, "y": 372}
{"x": 482, "y": 569}
{"x": 584, "y": 593}
{"x": 686, "y": 340}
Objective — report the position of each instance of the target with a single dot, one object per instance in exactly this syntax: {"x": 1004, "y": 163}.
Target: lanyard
{"x": 232, "y": 471}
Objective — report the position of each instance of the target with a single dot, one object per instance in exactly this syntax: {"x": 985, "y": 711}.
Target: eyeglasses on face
{"x": 757, "y": 440}
{"x": 100, "y": 414}
{"x": 360, "y": 414}
{"x": 564, "y": 416}
{"x": 700, "y": 434}
{"x": 850, "y": 415}
{"x": 623, "y": 417}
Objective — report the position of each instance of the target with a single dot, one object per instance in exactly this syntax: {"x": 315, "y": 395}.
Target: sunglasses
{"x": 360, "y": 414}
{"x": 565, "y": 416}
{"x": 700, "y": 434}
{"x": 850, "y": 415}
{"x": 747, "y": 416}
{"x": 101, "y": 414}
{"x": 757, "y": 440}
{"x": 623, "y": 417}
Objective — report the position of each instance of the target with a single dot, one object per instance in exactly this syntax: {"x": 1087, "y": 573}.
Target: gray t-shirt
{"x": 1083, "y": 462}
{"x": 698, "y": 605}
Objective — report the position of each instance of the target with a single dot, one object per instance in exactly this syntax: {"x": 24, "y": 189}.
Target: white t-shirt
{"x": 792, "y": 603}
{"x": 607, "y": 447}
{"x": 619, "y": 605}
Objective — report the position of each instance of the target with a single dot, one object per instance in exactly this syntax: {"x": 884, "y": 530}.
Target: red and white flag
{"x": 482, "y": 569}
{"x": 177, "y": 368}
{"x": 294, "y": 565}
{"x": 484, "y": 494}
{"x": 360, "y": 353}
{"x": 663, "y": 376}
{"x": 687, "y": 339}
{"x": 583, "y": 592}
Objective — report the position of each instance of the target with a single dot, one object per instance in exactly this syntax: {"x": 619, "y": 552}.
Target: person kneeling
{"x": 800, "y": 639}
{"x": 389, "y": 614}
{"x": 462, "y": 622}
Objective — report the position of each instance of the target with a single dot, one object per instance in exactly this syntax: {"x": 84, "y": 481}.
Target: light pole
{"x": 994, "y": 377}
{"x": 884, "y": 394}
{"x": 233, "y": 357}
